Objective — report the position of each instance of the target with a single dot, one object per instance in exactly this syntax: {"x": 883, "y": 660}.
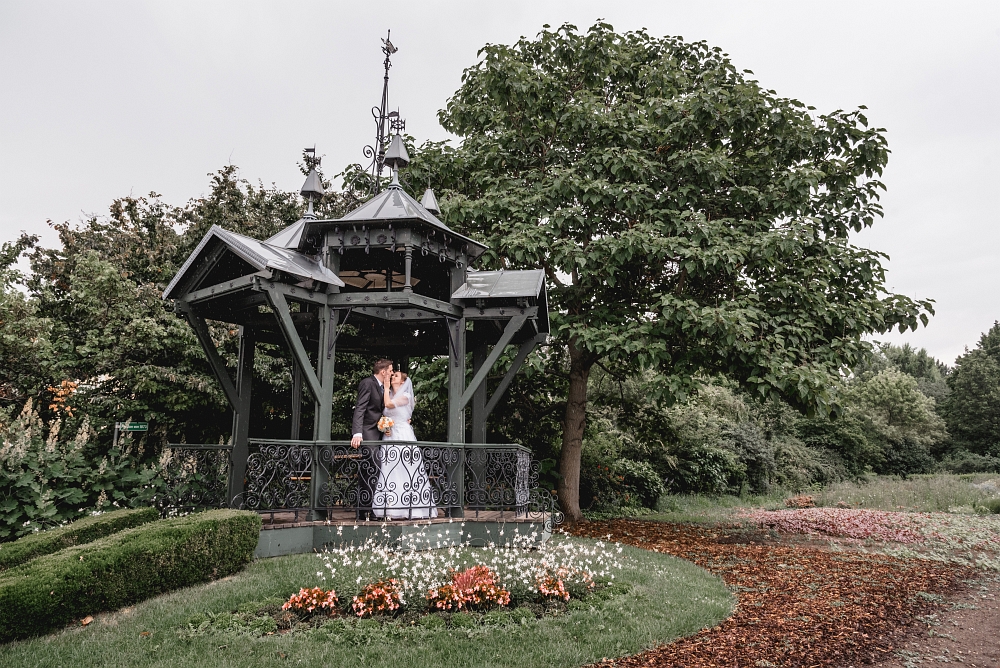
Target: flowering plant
{"x": 385, "y": 425}
{"x": 516, "y": 566}
{"x": 381, "y": 596}
{"x": 472, "y": 588}
{"x": 308, "y": 600}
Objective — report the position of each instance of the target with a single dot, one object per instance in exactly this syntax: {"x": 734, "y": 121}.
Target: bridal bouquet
{"x": 385, "y": 424}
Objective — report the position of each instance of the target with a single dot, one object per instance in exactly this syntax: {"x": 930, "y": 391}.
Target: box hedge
{"x": 80, "y": 532}
{"x": 124, "y": 568}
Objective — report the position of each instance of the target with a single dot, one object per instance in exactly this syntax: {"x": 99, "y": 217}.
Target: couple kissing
{"x": 402, "y": 489}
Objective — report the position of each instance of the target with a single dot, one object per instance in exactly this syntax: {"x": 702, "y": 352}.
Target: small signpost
{"x": 128, "y": 426}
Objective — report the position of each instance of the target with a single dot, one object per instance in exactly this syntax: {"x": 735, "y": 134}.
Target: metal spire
{"x": 386, "y": 123}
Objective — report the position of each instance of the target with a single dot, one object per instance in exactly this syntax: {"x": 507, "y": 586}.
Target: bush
{"x": 50, "y": 475}
{"x": 798, "y": 466}
{"x": 620, "y": 483}
{"x": 124, "y": 568}
{"x": 78, "y": 533}
{"x": 964, "y": 461}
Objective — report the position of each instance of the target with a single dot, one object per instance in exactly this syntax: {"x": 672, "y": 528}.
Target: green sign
{"x": 132, "y": 426}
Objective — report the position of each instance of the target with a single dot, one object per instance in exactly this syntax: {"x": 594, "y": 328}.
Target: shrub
{"x": 620, "y": 483}
{"x": 78, "y": 533}
{"x": 964, "y": 461}
{"x": 797, "y": 466}
{"x": 50, "y": 475}
{"x": 124, "y": 568}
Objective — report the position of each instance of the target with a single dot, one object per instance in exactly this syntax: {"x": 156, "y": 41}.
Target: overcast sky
{"x": 104, "y": 99}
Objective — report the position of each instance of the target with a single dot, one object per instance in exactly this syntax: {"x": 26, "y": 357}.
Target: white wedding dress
{"x": 403, "y": 490}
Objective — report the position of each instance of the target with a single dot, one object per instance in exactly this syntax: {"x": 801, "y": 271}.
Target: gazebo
{"x": 405, "y": 282}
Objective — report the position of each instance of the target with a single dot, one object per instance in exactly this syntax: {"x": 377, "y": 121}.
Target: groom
{"x": 367, "y": 411}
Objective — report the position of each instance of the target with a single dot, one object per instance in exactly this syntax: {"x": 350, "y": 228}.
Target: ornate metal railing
{"x": 193, "y": 477}
{"x": 379, "y": 480}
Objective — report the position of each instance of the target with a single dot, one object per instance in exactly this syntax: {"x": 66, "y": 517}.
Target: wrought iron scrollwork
{"x": 193, "y": 478}
{"x": 397, "y": 479}
{"x": 279, "y": 477}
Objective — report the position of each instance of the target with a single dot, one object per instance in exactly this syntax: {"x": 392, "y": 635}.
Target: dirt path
{"x": 966, "y": 631}
{"x": 805, "y": 605}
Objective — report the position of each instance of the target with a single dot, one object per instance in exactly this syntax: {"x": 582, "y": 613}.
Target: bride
{"x": 403, "y": 490}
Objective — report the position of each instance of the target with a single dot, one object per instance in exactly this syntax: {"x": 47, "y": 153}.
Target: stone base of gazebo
{"x": 282, "y": 534}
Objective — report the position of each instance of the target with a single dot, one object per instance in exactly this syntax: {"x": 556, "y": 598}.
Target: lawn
{"x": 666, "y": 598}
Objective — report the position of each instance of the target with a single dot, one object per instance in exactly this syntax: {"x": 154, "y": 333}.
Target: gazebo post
{"x": 296, "y": 402}
{"x": 325, "y": 359}
{"x": 241, "y": 415}
{"x": 479, "y": 352}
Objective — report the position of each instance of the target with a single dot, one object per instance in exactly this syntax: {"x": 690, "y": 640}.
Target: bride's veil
{"x": 407, "y": 388}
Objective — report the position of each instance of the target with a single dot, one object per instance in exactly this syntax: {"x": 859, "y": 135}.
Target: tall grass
{"x": 934, "y": 493}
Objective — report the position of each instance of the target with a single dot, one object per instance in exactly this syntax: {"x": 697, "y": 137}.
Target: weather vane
{"x": 386, "y": 123}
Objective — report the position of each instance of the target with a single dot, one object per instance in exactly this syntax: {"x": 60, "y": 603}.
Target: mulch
{"x": 798, "y": 604}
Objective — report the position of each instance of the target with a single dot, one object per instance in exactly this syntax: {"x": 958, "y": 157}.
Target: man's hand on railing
{"x": 356, "y": 440}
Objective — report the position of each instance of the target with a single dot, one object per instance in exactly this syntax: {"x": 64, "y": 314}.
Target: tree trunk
{"x": 573, "y": 426}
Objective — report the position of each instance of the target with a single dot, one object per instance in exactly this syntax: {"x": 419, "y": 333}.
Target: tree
{"x": 898, "y": 419}
{"x": 687, "y": 219}
{"x": 972, "y": 410}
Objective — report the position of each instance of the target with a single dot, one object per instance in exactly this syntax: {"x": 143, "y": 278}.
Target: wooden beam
{"x": 509, "y": 331}
{"x": 221, "y": 289}
{"x": 215, "y": 360}
{"x": 241, "y": 417}
{"x": 290, "y": 291}
{"x": 499, "y": 312}
{"x": 397, "y": 300}
{"x": 508, "y": 378}
{"x": 280, "y": 306}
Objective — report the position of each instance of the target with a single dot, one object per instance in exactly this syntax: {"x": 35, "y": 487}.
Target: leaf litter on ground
{"x": 798, "y": 605}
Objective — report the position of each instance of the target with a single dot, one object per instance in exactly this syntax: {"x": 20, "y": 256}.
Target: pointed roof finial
{"x": 429, "y": 202}
{"x": 312, "y": 189}
{"x": 397, "y": 157}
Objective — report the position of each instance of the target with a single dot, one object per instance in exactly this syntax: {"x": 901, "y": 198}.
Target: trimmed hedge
{"x": 80, "y": 532}
{"x": 124, "y": 568}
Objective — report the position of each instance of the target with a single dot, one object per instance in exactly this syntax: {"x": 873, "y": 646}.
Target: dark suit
{"x": 368, "y": 409}
{"x": 367, "y": 412}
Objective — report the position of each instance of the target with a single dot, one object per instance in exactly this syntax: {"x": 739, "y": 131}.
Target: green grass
{"x": 668, "y": 598}
{"x": 940, "y": 492}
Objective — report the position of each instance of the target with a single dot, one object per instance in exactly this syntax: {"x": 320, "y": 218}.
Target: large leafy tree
{"x": 687, "y": 219}
{"x": 972, "y": 410}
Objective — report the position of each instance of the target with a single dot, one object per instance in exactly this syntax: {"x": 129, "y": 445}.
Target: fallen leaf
{"x": 145, "y": 634}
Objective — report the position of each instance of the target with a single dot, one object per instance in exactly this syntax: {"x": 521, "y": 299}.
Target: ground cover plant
{"x": 660, "y": 598}
{"x": 124, "y": 568}
{"x": 80, "y": 532}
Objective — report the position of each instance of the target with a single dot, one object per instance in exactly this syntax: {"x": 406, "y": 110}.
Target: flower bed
{"x": 458, "y": 586}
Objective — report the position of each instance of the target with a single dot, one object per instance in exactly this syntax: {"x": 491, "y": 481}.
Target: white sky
{"x": 104, "y": 99}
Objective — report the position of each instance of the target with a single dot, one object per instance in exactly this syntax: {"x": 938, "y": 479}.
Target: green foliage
{"x": 898, "y": 419}
{"x": 798, "y": 466}
{"x": 82, "y": 531}
{"x": 658, "y": 179}
{"x": 973, "y": 408}
{"x": 124, "y": 568}
{"x": 50, "y": 476}
{"x": 963, "y": 461}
